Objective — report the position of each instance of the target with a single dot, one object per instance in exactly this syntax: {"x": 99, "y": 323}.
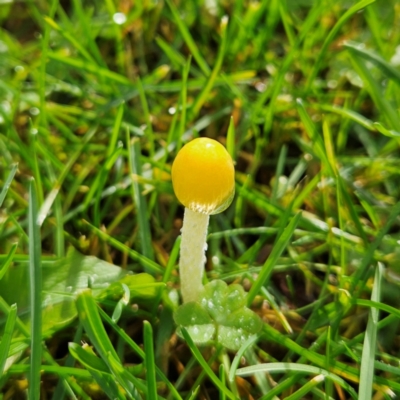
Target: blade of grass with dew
{"x": 35, "y": 285}
{"x": 7, "y": 336}
{"x": 328, "y": 40}
{"x": 7, "y": 183}
{"x": 149, "y": 361}
{"x": 203, "y": 363}
{"x": 279, "y": 246}
{"x": 369, "y": 345}
{"x": 8, "y": 260}
{"x": 135, "y": 167}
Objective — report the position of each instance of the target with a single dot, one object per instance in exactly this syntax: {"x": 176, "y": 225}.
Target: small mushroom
{"x": 203, "y": 177}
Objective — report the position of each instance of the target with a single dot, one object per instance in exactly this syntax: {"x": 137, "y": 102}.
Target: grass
{"x": 96, "y": 98}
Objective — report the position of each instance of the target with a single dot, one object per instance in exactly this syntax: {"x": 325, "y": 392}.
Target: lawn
{"x": 302, "y": 274}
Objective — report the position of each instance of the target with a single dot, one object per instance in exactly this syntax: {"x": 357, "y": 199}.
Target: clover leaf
{"x": 220, "y": 315}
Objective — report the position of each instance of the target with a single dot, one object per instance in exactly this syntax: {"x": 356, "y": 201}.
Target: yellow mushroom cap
{"x": 203, "y": 176}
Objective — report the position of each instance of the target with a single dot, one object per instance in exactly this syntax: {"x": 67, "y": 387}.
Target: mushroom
{"x": 203, "y": 177}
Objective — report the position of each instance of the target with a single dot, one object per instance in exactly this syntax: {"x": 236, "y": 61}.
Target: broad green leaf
{"x": 64, "y": 278}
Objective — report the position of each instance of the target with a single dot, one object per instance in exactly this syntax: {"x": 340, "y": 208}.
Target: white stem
{"x": 192, "y": 257}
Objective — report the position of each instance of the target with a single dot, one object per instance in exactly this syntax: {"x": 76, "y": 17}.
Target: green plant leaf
{"x": 221, "y": 315}
{"x": 98, "y": 369}
{"x": 7, "y": 183}
{"x": 7, "y": 336}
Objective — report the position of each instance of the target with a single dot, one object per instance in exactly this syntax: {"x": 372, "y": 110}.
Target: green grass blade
{"x": 239, "y": 355}
{"x": 63, "y": 388}
{"x": 126, "y": 379}
{"x": 139, "y": 199}
{"x": 298, "y": 368}
{"x": 80, "y": 65}
{"x": 89, "y": 317}
{"x": 369, "y": 346}
{"x": 183, "y": 103}
{"x": 7, "y": 183}
{"x": 149, "y": 361}
{"x": 138, "y": 350}
{"x": 35, "y": 284}
{"x": 222, "y": 377}
{"x": 98, "y": 369}
{"x": 146, "y": 262}
{"x": 7, "y": 336}
{"x": 279, "y": 246}
{"x": 387, "y": 69}
{"x": 8, "y": 260}
{"x": 299, "y": 394}
{"x": 328, "y": 40}
{"x": 204, "y": 94}
{"x": 147, "y": 116}
{"x": 187, "y": 37}
{"x": 368, "y": 257}
{"x": 375, "y": 91}
{"x": 230, "y": 139}
{"x": 206, "y": 368}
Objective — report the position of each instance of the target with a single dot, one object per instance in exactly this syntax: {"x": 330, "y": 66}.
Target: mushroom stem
{"x": 192, "y": 255}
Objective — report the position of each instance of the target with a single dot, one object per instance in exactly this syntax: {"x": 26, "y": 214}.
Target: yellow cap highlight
{"x": 203, "y": 176}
